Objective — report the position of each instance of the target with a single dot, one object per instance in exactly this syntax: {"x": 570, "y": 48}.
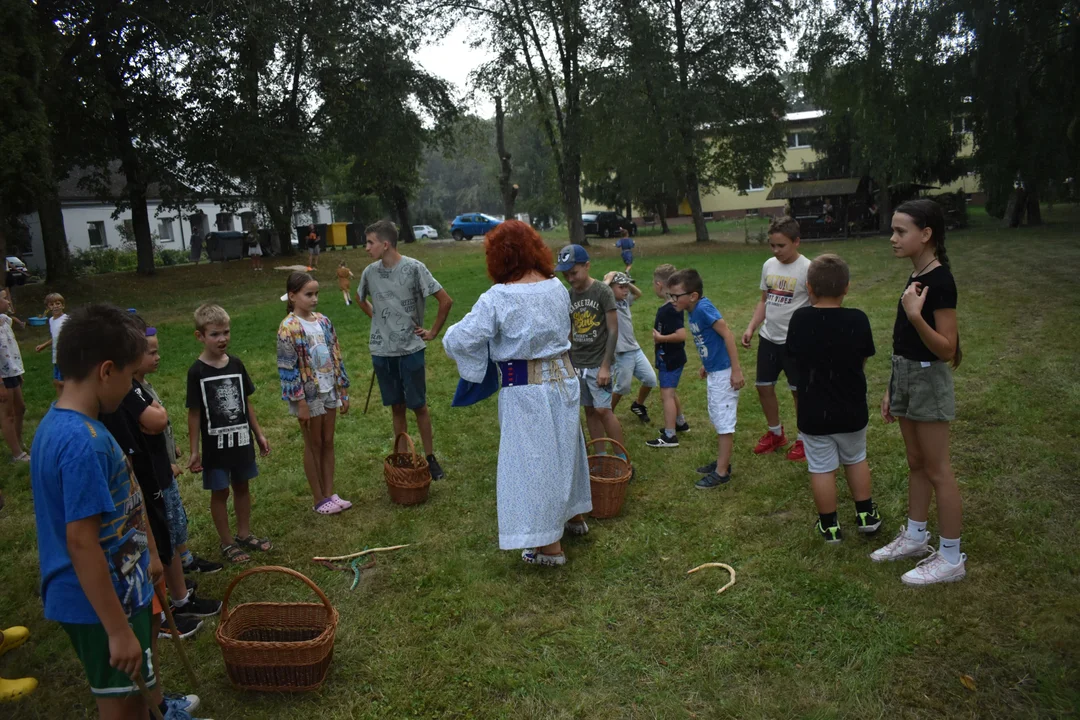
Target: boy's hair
{"x": 690, "y": 281}
{"x": 53, "y": 296}
{"x": 94, "y": 334}
{"x": 663, "y": 273}
{"x": 828, "y": 275}
{"x": 209, "y": 314}
{"x": 344, "y": 263}
{"x": 384, "y": 230}
{"x": 786, "y": 226}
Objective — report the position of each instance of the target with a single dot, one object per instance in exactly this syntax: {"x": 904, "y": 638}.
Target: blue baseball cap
{"x": 570, "y": 256}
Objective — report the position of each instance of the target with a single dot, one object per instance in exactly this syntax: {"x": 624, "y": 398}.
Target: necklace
{"x": 920, "y": 272}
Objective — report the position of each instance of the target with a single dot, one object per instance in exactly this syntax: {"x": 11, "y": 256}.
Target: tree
{"x": 506, "y": 188}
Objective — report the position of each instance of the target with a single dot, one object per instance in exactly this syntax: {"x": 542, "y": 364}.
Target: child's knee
{"x": 219, "y": 496}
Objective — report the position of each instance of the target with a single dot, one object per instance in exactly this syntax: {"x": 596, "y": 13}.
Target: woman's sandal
{"x": 578, "y": 528}
{"x": 327, "y": 507}
{"x": 254, "y": 543}
{"x": 235, "y": 554}
{"x": 533, "y": 556}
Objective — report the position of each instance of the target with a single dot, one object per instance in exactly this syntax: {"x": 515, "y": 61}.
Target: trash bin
{"x": 223, "y": 246}
{"x": 337, "y": 235}
{"x": 355, "y": 233}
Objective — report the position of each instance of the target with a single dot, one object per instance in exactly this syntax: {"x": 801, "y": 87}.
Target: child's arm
{"x": 194, "y": 436}
{"x": 677, "y": 336}
{"x": 755, "y": 320}
{"x": 264, "y": 444}
{"x": 942, "y": 341}
{"x": 154, "y": 419}
{"x": 92, "y": 570}
{"x": 724, "y": 331}
{"x": 603, "y": 376}
{"x": 445, "y": 301}
{"x": 634, "y": 291}
{"x": 42, "y": 346}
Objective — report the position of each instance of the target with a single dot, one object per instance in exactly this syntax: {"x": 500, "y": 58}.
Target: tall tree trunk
{"x": 53, "y": 237}
{"x": 686, "y": 127}
{"x": 1014, "y": 210}
{"x": 401, "y": 207}
{"x": 506, "y": 189}
{"x": 885, "y": 209}
{"x": 131, "y": 166}
{"x": 570, "y": 185}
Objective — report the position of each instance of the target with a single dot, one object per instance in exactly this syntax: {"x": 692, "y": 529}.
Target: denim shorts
{"x": 629, "y": 365}
{"x": 318, "y": 405}
{"x": 402, "y": 380}
{"x": 221, "y": 478}
{"x": 592, "y": 395}
{"x": 56, "y": 373}
{"x": 668, "y": 378}
{"x": 175, "y": 515}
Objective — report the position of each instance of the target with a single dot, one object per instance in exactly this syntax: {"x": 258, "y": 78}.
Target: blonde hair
{"x": 54, "y": 296}
{"x": 663, "y": 272}
{"x": 210, "y": 314}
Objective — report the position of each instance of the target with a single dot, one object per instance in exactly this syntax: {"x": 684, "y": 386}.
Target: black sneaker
{"x": 199, "y": 565}
{"x": 685, "y": 427}
{"x": 197, "y": 607}
{"x": 641, "y": 411}
{"x": 664, "y": 441}
{"x": 186, "y": 626}
{"x": 831, "y": 535}
{"x": 711, "y": 467}
{"x": 712, "y": 480}
{"x": 434, "y": 468}
{"x": 190, "y": 584}
{"x": 868, "y": 523}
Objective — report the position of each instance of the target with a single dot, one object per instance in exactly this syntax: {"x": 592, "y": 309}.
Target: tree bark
{"x": 1014, "y": 210}
{"x": 506, "y": 189}
{"x": 686, "y": 127}
{"x": 1031, "y": 205}
{"x": 53, "y": 237}
{"x": 131, "y": 166}
{"x": 401, "y": 207}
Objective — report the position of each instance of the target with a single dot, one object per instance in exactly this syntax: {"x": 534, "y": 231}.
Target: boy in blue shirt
{"x": 98, "y": 562}
{"x": 719, "y": 366}
{"x": 626, "y": 244}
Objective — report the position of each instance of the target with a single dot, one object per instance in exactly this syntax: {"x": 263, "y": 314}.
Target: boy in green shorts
{"x": 98, "y": 562}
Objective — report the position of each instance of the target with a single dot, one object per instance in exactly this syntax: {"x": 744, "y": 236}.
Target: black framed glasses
{"x": 675, "y": 296}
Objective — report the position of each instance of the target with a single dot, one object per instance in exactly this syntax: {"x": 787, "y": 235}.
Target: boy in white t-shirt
{"x": 783, "y": 291}
{"x": 54, "y": 304}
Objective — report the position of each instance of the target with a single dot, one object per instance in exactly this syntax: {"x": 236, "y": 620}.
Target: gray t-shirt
{"x": 397, "y": 298}
{"x": 786, "y": 292}
{"x": 170, "y": 442}
{"x": 627, "y": 341}
{"x": 588, "y": 324}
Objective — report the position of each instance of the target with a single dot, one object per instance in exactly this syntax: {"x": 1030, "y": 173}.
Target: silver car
{"x": 425, "y": 231}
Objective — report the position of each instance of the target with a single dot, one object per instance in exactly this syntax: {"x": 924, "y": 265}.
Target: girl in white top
{"x": 54, "y": 306}
{"x": 12, "y": 407}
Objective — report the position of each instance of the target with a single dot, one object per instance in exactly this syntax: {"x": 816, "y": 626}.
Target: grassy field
{"x": 453, "y": 627}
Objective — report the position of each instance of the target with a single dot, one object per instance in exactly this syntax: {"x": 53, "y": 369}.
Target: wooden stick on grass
{"x": 362, "y": 552}
{"x": 176, "y": 636}
{"x": 722, "y": 565}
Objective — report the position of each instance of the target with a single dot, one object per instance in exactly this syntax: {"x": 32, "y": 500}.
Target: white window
{"x": 224, "y": 222}
{"x": 960, "y": 125}
{"x": 165, "y": 230}
{"x": 96, "y": 231}
{"x": 755, "y": 185}
{"x": 799, "y": 139}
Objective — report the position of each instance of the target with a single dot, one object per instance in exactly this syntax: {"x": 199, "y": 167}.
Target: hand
{"x": 125, "y": 653}
{"x": 157, "y": 570}
{"x": 195, "y": 463}
{"x": 701, "y": 372}
{"x": 345, "y": 406}
{"x": 22, "y": 323}
{"x": 885, "y": 414}
{"x": 737, "y": 380}
{"x": 177, "y": 471}
{"x": 747, "y": 338}
{"x": 914, "y": 298}
{"x": 303, "y": 413}
{"x": 41, "y": 347}
{"x": 656, "y": 335}
{"x": 264, "y": 444}
{"x": 603, "y": 376}
{"x": 425, "y": 335}
{"x": 178, "y": 453}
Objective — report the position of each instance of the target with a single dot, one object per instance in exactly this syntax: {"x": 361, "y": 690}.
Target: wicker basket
{"x": 277, "y": 647}
{"x": 407, "y": 475}
{"x": 608, "y": 477}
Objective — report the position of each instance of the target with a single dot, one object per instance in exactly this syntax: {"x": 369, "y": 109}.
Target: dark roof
{"x": 815, "y": 188}
{"x": 82, "y": 185}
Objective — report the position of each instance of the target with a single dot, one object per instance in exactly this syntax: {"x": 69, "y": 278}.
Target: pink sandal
{"x": 327, "y": 507}
{"x": 343, "y": 504}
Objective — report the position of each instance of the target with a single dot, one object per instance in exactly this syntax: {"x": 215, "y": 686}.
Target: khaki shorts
{"x": 921, "y": 391}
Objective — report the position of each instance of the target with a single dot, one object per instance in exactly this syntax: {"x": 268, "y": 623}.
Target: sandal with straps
{"x": 235, "y": 554}
{"x": 254, "y": 543}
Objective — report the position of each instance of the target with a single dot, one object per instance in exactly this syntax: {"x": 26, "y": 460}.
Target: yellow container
{"x": 337, "y": 234}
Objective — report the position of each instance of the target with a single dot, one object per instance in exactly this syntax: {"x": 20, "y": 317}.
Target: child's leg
{"x": 723, "y": 451}
{"x": 823, "y": 487}
{"x": 919, "y": 488}
{"x": 611, "y": 425}
{"x": 174, "y": 579}
{"x": 769, "y": 404}
{"x": 313, "y": 458}
{"x": 615, "y": 398}
{"x": 645, "y": 374}
{"x": 642, "y": 395}
{"x": 122, "y": 708}
{"x": 671, "y": 407}
{"x": 7, "y": 424}
{"x": 19, "y": 408}
{"x": 327, "y": 463}
{"x": 423, "y": 423}
{"x": 242, "y": 508}
{"x": 219, "y": 511}
{"x": 594, "y": 424}
{"x": 858, "y": 481}
{"x": 933, "y": 440}
{"x": 401, "y": 423}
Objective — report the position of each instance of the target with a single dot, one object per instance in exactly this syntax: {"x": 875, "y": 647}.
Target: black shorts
{"x": 13, "y": 382}
{"x": 771, "y": 359}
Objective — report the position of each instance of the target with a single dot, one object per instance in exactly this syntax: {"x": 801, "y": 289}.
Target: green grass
{"x": 453, "y": 627}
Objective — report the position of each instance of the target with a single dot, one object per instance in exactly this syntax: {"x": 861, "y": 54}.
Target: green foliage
{"x": 433, "y": 218}
{"x": 98, "y": 261}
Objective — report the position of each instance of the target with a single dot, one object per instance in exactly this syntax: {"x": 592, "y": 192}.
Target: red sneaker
{"x": 770, "y": 442}
{"x": 797, "y": 453}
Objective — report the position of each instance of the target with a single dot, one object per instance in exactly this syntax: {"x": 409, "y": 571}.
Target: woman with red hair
{"x": 523, "y": 324}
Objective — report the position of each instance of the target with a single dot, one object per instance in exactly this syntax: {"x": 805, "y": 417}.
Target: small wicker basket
{"x": 608, "y": 477}
{"x": 407, "y": 475}
{"x": 277, "y": 647}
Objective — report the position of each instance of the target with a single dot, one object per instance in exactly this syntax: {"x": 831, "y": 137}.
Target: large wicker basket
{"x": 274, "y": 646}
{"x": 407, "y": 475}
{"x": 608, "y": 477}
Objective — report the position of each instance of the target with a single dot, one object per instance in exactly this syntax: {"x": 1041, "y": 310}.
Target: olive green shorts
{"x": 91, "y": 644}
{"x": 921, "y": 391}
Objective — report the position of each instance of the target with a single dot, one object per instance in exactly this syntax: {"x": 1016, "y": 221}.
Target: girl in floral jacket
{"x": 315, "y": 384}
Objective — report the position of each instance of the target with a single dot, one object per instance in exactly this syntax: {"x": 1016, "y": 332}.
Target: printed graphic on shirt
{"x": 123, "y": 537}
{"x": 699, "y": 340}
{"x": 781, "y": 289}
{"x": 226, "y": 410}
{"x": 585, "y": 316}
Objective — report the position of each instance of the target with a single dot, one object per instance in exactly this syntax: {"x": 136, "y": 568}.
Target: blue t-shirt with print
{"x": 80, "y": 471}
{"x": 625, "y": 244}
{"x": 710, "y": 345}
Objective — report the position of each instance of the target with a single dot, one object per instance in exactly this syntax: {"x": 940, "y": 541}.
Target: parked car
{"x": 607, "y": 224}
{"x": 425, "y": 231}
{"x": 469, "y": 225}
{"x": 16, "y": 271}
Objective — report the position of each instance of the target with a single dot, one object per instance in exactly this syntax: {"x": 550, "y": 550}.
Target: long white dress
{"x": 543, "y": 472}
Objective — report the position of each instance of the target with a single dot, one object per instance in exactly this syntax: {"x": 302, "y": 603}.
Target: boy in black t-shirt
{"x": 830, "y": 344}
{"x": 669, "y": 337}
{"x": 220, "y": 416}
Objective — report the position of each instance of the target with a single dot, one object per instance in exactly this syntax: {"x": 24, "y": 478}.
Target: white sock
{"x": 182, "y": 601}
{"x": 669, "y": 433}
{"x": 950, "y": 550}
{"x": 777, "y": 431}
{"x": 680, "y": 420}
{"x": 916, "y": 530}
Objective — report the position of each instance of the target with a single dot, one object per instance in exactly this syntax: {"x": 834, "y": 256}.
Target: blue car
{"x": 469, "y": 225}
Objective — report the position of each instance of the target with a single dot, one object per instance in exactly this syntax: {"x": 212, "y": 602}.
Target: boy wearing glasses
{"x": 719, "y": 366}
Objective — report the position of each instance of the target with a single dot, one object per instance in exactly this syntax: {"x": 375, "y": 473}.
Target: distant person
{"x": 344, "y": 275}
{"x": 312, "y": 240}
{"x": 669, "y": 339}
{"x": 12, "y": 405}
{"x": 783, "y": 291}
{"x": 251, "y": 239}
{"x": 54, "y": 304}
{"x": 630, "y": 360}
{"x": 626, "y": 244}
{"x": 196, "y": 245}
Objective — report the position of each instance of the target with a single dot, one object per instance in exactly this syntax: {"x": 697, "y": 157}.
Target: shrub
{"x": 97, "y": 261}
{"x": 432, "y": 217}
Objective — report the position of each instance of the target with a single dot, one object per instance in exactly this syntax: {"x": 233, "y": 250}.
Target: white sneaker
{"x": 901, "y": 547}
{"x": 935, "y": 569}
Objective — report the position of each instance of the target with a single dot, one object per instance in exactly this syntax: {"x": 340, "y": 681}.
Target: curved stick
{"x": 362, "y": 552}
{"x": 721, "y": 565}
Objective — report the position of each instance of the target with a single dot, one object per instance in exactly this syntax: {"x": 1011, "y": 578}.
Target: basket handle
{"x": 412, "y": 447}
{"x": 277, "y": 569}
{"x": 616, "y": 443}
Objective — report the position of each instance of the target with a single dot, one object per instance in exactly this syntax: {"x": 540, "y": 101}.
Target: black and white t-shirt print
{"x": 220, "y": 395}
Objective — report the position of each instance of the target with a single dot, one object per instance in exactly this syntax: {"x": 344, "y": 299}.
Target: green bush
{"x": 171, "y": 257}
{"x": 97, "y": 261}
{"x": 432, "y": 217}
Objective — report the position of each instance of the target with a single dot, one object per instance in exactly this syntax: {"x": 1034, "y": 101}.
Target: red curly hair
{"x": 514, "y": 249}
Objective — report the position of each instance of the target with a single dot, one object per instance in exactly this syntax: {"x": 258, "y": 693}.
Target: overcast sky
{"x": 450, "y": 57}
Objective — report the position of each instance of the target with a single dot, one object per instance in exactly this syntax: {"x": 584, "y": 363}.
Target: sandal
{"x": 343, "y": 504}
{"x": 576, "y": 528}
{"x": 327, "y": 507}
{"x": 533, "y": 556}
{"x": 235, "y": 554}
{"x": 21, "y": 457}
{"x": 255, "y": 543}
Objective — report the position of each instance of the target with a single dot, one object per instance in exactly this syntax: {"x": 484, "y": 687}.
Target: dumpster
{"x": 227, "y": 245}
{"x": 302, "y": 233}
{"x": 337, "y": 235}
{"x": 355, "y": 233}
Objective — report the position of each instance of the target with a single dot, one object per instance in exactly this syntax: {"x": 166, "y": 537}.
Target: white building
{"x": 89, "y": 221}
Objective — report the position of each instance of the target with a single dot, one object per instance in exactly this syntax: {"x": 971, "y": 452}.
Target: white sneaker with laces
{"x": 935, "y": 569}
{"x": 901, "y": 547}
